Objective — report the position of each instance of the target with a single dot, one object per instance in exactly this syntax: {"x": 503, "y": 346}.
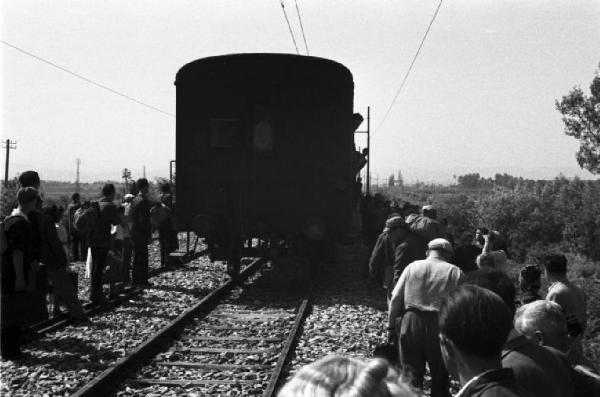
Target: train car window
{"x": 262, "y": 139}
{"x": 225, "y": 133}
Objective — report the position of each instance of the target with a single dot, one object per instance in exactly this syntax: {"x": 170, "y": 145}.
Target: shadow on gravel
{"x": 68, "y": 353}
{"x": 188, "y": 291}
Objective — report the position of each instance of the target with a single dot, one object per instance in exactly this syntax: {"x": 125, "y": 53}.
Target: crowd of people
{"x": 39, "y": 242}
{"x": 454, "y": 309}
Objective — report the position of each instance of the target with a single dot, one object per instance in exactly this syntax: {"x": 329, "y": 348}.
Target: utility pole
{"x": 144, "y": 172}
{"x": 77, "y": 187}
{"x": 8, "y": 144}
{"x": 126, "y": 176}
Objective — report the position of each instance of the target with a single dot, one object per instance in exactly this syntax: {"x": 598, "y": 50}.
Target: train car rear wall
{"x": 265, "y": 138}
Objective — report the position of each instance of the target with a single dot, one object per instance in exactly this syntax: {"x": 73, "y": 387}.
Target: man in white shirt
{"x": 416, "y": 299}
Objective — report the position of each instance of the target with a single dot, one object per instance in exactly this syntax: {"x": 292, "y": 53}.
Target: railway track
{"x": 238, "y": 341}
{"x": 38, "y": 330}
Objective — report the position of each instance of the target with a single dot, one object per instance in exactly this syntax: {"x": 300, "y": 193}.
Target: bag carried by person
{"x": 86, "y": 218}
{"x": 114, "y": 269}
{"x": 88, "y": 263}
{"x": 426, "y": 227}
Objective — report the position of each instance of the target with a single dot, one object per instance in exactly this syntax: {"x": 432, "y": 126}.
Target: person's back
{"x": 427, "y": 281}
{"x": 412, "y": 248}
{"x": 140, "y": 218}
{"x": 537, "y": 369}
{"x": 571, "y": 298}
{"x": 108, "y": 215}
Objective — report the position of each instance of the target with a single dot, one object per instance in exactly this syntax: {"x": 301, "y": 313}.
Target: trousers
{"x": 139, "y": 271}
{"x": 418, "y": 345}
{"x": 64, "y": 291}
{"x": 98, "y": 264}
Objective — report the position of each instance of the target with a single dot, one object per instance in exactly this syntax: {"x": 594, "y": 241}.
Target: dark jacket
{"x": 19, "y": 232}
{"x": 537, "y": 369}
{"x": 141, "y": 229}
{"x": 495, "y": 383}
{"x": 109, "y": 215}
{"x": 412, "y": 248}
{"x": 381, "y": 257}
{"x": 52, "y": 252}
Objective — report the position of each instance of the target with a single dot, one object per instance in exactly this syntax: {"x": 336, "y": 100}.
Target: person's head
{"x": 479, "y": 233}
{"x": 165, "y": 188}
{"x": 30, "y": 179}
{"x": 440, "y": 248}
{"x": 530, "y": 278}
{"x": 396, "y": 228}
{"x": 474, "y": 323}
{"x": 27, "y": 198}
{"x": 345, "y": 376}
{"x": 429, "y": 211}
{"x": 142, "y": 185}
{"x": 555, "y": 265}
{"x": 496, "y": 241}
{"x": 108, "y": 191}
{"x": 496, "y": 281}
{"x": 467, "y": 238}
{"x": 75, "y": 197}
{"x": 544, "y": 322}
{"x": 52, "y": 212}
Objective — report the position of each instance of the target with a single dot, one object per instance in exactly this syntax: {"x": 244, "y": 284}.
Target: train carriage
{"x": 265, "y": 147}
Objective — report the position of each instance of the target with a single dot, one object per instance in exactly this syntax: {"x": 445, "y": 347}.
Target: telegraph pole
{"x": 126, "y": 176}
{"x": 8, "y": 144}
{"x": 144, "y": 172}
{"x": 78, "y": 162}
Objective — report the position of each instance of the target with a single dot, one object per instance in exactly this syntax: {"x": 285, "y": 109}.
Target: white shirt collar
{"x": 471, "y": 381}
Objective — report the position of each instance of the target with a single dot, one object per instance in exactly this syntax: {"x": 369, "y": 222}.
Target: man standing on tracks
{"x": 416, "y": 301}
{"x": 141, "y": 233}
{"x": 100, "y": 241}
{"x": 77, "y": 244}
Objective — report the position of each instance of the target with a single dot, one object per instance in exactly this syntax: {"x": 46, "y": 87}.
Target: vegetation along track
{"x": 219, "y": 345}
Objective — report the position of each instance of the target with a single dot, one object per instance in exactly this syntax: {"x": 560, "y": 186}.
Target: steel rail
{"x": 113, "y": 376}
{"x": 287, "y": 349}
{"x": 38, "y": 330}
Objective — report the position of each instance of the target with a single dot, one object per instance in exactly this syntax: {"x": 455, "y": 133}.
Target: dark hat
{"x": 26, "y": 195}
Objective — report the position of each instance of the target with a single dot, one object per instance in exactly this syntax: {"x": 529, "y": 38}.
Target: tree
{"x": 581, "y": 115}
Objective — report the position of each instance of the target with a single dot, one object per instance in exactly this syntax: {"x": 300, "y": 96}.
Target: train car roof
{"x": 264, "y": 68}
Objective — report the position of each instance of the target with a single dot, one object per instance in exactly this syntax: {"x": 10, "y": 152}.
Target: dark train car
{"x": 265, "y": 147}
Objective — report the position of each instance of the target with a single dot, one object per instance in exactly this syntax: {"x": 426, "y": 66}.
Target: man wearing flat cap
{"x": 382, "y": 258}
{"x": 415, "y": 303}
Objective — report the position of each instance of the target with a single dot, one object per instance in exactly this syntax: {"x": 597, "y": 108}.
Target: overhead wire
{"x": 90, "y": 81}
{"x": 301, "y": 27}
{"x": 289, "y": 26}
{"x": 410, "y": 67}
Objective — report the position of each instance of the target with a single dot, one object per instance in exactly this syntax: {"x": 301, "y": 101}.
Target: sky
{"x": 480, "y": 97}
